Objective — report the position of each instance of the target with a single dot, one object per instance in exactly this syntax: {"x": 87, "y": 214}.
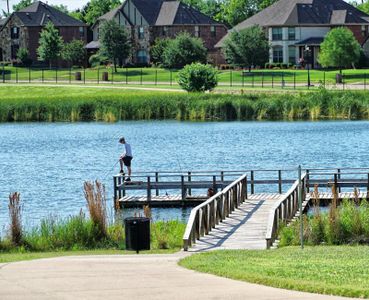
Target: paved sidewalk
{"x": 126, "y": 277}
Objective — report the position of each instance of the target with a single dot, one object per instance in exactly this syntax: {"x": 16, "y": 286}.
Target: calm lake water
{"x": 48, "y": 162}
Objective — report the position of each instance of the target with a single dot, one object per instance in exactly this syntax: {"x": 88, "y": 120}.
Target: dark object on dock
{"x": 137, "y": 231}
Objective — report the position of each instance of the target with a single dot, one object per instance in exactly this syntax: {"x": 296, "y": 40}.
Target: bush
{"x": 97, "y": 59}
{"x": 157, "y": 50}
{"x": 74, "y": 52}
{"x": 198, "y": 78}
{"x": 184, "y": 50}
{"x": 23, "y": 56}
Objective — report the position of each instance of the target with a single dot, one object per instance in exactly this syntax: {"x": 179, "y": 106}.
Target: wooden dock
{"x": 245, "y": 212}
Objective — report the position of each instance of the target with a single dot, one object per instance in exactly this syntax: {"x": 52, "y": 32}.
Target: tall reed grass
{"x": 347, "y": 223}
{"x": 113, "y": 106}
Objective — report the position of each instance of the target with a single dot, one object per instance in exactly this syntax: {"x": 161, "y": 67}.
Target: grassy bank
{"x": 29, "y": 103}
{"x": 79, "y": 233}
{"x": 328, "y": 270}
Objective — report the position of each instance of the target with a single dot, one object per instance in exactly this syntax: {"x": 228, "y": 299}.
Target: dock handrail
{"x": 205, "y": 216}
{"x": 284, "y": 210}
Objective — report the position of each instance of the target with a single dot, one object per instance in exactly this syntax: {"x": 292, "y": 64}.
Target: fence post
{"x": 3, "y": 73}
{"x": 272, "y": 80}
{"x": 98, "y": 75}
{"x": 282, "y": 80}
{"x": 280, "y": 181}
{"x": 16, "y": 75}
{"x": 294, "y": 80}
{"x": 324, "y": 78}
{"x": 364, "y": 81}
{"x": 70, "y": 74}
{"x": 253, "y": 80}
{"x": 343, "y": 82}
{"x": 42, "y": 75}
{"x": 157, "y": 180}
{"x": 126, "y": 75}
{"x": 56, "y": 75}
{"x": 262, "y": 79}
{"x": 300, "y": 209}
{"x": 230, "y": 77}
{"x": 141, "y": 77}
{"x": 171, "y": 78}
{"x": 112, "y": 75}
{"x": 156, "y": 76}
{"x": 84, "y": 75}
{"x": 29, "y": 75}
{"x": 243, "y": 78}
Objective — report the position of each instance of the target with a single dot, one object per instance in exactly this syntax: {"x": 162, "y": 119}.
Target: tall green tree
{"x": 97, "y": 8}
{"x": 22, "y": 4}
{"x": 74, "y": 52}
{"x": 184, "y": 50}
{"x": 247, "y": 47}
{"x": 51, "y": 44}
{"x": 157, "y": 50}
{"x": 114, "y": 41}
{"x": 339, "y": 49}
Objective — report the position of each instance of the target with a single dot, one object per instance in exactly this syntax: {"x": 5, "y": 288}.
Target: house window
{"x": 277, "y": 34}
{"x": 141, "y": 32}
{"x": 278, "y": 54}
{"x": 213, "y": 31}
{"x": 291, "y": 33}
{"x": 197, "y": 31}
{"x": 14, "y": 33}
{"x": 363, "y": 30}
{"x": 165, "y": 31}
{"x": 292, "y": 55}
{"x": 141, "y": 57}
{"x": 14, "y": 50}
{"x": 81, "y": 31}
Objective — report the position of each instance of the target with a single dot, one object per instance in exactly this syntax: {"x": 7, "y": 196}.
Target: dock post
{"x": 183, "y": 188}
{"x": 279, "y": 181}
{"x": 335, "y": 183}
{"x": 307, "y": 181}
{"x": 157, "y": 180}
{"x": 215, "y": 184}
{"x": 148, "y": 189}
{"x": 300, "y": 208}
{"x": 189, "y": 180}
{"x": 222, "y": 178}
{"x": 115, "y": 191}
{"x": 339, "y": 177}
{"x": 252, "y": 182}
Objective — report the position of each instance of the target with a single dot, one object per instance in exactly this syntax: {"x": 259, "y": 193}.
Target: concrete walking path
{"x": 126, "y": 277}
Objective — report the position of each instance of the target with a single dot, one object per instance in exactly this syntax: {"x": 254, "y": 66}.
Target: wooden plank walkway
{"x": 343, "y": 195}
{"x": 245, "y": 228}
{"x": 161, "y": 201}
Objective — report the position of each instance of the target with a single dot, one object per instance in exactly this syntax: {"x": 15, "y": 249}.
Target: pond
{"x": 48, "y": 162}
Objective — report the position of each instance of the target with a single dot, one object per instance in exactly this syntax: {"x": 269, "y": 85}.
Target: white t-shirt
{"x": 128, "y": 150}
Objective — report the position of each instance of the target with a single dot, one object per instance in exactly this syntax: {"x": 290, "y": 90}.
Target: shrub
{"x": 198, "y": 78}
{"x": 23, "y": 56}
{"x": 184, "y": 50}
{"x": 157, "y": 50}
{"x": 74, "y": 52}
{"x": 97, "y": 60}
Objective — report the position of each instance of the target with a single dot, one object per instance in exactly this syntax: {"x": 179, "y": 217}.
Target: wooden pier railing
{"x": 205, "y": 216}
{"x": 284, "y": 210}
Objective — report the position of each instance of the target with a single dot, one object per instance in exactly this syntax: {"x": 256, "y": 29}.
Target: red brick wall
{"x": 205, "y": 33}
{"x": 360, "y": 35}
{"x": 67, "y": 33}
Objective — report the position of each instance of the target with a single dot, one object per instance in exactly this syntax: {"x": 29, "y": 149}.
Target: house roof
{"x": 3, "y": 21}
{"x": 164, "y": 13}
{"x": 39, "y": 13}
{"x": 305, "y": 12}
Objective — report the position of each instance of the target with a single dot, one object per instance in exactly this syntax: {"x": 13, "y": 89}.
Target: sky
{"x": 71, "y": 4}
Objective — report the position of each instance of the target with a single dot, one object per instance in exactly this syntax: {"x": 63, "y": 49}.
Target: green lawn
{"x": 337, "y": 270}
{"x": 158, "y": 76}
{"x": 20, "y": 256}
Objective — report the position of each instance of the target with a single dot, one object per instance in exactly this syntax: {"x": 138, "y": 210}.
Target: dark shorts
{"x": 127, "y": 160}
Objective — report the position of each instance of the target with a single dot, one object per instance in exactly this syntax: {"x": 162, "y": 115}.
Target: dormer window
{"x": 14, "y": 33}
{"x": 141, "y": 32}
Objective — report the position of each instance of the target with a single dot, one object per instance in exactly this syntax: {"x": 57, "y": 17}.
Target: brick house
{"x": 147, "y": 20}
{"x": 292, "y": 25}
{"x": 22, "y": 29}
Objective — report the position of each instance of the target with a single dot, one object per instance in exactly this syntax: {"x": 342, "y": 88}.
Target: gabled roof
{"x": 305, "y": 12}
{"x": 39, "y": 13}
{"x": 164, "y": 13}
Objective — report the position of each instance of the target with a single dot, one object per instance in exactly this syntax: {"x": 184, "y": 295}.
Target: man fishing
{"x": 126, "y": 158}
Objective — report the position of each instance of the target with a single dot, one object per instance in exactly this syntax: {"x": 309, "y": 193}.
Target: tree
{"x": 247, "y": 47}
{"x": 197, "y": 77}
{"x": 51, "y": 43}
{"x": 339, "y": 49}
{"x": 236, "y": 11}
{"x": 74, "y": 52}
{"x": 184, "y": 50}
{"x": 114, "y": 42}
{"x": 97, "y": 8}
{"x": 23, "y": 56}
{"x": 22, "y": 4}
{"x": 157, "y": 50}
{"x": 63, "y": 8}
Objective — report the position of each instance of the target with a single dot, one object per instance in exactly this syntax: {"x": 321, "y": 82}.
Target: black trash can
{"x": 137, "y": 233}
